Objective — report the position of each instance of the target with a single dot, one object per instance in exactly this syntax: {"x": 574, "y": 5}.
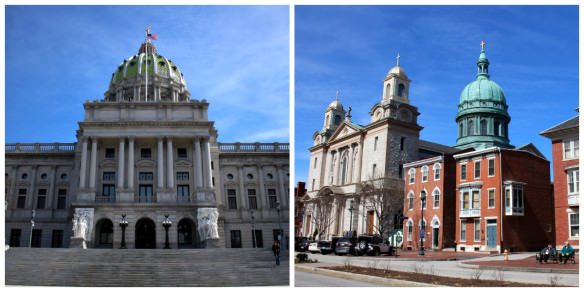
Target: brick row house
{"x": 565, "y": 152}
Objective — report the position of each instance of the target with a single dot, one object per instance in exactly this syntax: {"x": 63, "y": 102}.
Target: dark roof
{"x": 531, "y": 149}
{"x": 571, "y": 123}
{"x": 427, "y": 145}
{"x": 354, "y": 125}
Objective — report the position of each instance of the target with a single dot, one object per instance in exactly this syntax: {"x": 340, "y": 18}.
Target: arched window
{"x": 343, "y": 170}
{"x": 410, "y": 226}
{"x": 424, "y": 173}
{"x": 437, "y": 167}
{"x": 105, "y": 233}
{"x": 186, "y": 234}
{"x": 461, "y": 130}
{"x": 410, "y": 201}
{"x": 497, "y": 128}
{"x": 412, "y": 173}
{"x": 388, "y": 90}
{"x": 470, "y": 128}
{"x": 337, "y": 120}
{"x": 401, "y": 90}
{"x": 436, "y": 198}
{"x": 483, "y": 127}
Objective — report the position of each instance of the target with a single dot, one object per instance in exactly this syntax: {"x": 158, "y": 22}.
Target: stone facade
{"x": 151, "y": 158}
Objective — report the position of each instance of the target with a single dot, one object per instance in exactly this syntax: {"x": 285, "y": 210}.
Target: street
{"x": 304, "y": 279}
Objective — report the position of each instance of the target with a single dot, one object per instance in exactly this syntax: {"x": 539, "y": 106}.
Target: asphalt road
{"x": 445, "y": 268}
{"x": 304, "y": 279}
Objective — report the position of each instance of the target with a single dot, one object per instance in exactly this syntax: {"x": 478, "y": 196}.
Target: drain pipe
{"x": 502, "y": 201}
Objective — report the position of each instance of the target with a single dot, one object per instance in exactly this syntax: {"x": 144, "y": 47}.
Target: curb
{"x": 518, "y": 269}
{"x": 365, "y": 278}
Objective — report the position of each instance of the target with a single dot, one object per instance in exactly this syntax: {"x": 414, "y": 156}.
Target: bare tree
{"x": 385, "y": 197}
{"x": 322, "y": 215}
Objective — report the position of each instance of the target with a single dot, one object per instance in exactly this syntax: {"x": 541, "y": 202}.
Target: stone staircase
{"x": 144, "y": 267}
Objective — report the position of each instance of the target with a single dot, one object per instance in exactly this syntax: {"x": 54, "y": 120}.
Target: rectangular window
{"x": 259, "y": 241}
{"x": 110, "y": 153}
{"x": 573, "y": 181}
{"x": 181, "y": 153}
{"x": 145, "y": 176}
{"x": 402, "y": 143}
{"x": 412, "y": 175}
{"x": 463, "y": 172}
{"x": 477, "y": 230}
{"x": 571, "y": 149}
{"x": 57, "y": 239}
{"x": 145, "y": 153}
{"x": 182, "y": 193}
{"x": 410, "y": 202}
{"x": 410, "y": 231}
{"x": 462, "y": 230}
{"x": 437, "y": 172}
{"x": 235, "y": 238}
{"x": 436, "y": 197}
{"x": 145, "y": 194}
{"x": 491, "y": 167}
{"x": 574, "y": 225}
{"x": 315, "y": 160}
{"x": 424, "y": 174}
{"x": 251, "y": 197}
{"x": 476, "y": 199}
{"x": 41, "y": 199}
{"x": 374, "y": 170}
{"x": 514, "y": 199}
{"x": 109, "y": 192}
{"x": 491, "y": 198}
{"x": 15, "y": 237}
{"x": 109, "y": 176}
{"x": 232, "y": 199}
{"x": 375, "y": 143}
{"x": 61, "y": 199}
{"x": 182, "y": 176}
{"x": 465, "y": 200}
{"x": 313, "y": 181}
{"x": 37, "y": 236}
{"x": 21, "y": 204}
{"x": 477, "y": 169}
{"x": 272, "y": 199}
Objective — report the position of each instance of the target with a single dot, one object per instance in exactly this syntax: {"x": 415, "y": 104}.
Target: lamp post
{"x": 31, "y": 226}
{"x": 123, "y": 224}
{"x": 351, "y": 221}
{"x": 166, "y": 224}
{"x": 423, "y": 226}
{"x": 281, "y": 232}
{"x": 253, "y": 235}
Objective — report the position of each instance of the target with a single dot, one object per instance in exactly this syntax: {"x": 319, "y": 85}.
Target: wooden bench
{"x": 554, "y": 258}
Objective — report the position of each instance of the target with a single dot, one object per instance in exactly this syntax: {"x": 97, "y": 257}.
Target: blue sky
{"x": 235, "y": 57}
{"x": 533, "y": 54}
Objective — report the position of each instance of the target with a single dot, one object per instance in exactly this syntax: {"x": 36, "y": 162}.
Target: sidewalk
{"x": 522, "y": 262}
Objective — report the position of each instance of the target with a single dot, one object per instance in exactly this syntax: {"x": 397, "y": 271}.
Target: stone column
{"x": 13, "y": 189}
{"x": 130, "y": 162}
{"x": 160, "y": 163}
{"x": 263, "y": 201}
{"x": 83, "y": 170}
{"x": 169, "y": 163}
{"x": 51, "y": 193}
{"x": 207, "y": 163}
{"x": 121, "y": 161}
{"x": 242, "y": 194}
{"x": 359, "y": 160}
{"x": 93, "y": 164}
{"x": 198, "y": 166}
{"x": 337, "y": 167}
{"x": 281, "y": 180}
{"x": 350, "y": 163}
{"x": 33, "y": 193}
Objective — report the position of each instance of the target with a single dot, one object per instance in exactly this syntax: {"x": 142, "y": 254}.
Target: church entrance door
{"x": 145, "y": 234}
{"x": 370, "y": 218}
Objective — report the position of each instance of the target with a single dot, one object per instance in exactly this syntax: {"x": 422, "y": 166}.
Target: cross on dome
{"x": 397, "y": 58}
{"x": 483, "y": 45}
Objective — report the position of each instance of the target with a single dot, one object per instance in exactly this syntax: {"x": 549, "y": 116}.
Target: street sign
{"x": 422, "y": 234}
{"x": 403, "y": 218}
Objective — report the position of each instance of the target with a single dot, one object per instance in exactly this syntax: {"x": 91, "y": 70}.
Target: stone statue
{"x": 349, "y": 112}
{"x": 207, "y": 223}
{"x": 82, "y": 221}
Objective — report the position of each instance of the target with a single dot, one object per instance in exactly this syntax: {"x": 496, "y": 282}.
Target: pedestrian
{"x": 276, "y": 250}
{"x": 546, "y": 253}
{"x": 567, "y": 252}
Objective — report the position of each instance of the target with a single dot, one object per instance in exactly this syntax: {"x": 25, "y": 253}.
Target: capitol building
{"x": 146, "y": 171}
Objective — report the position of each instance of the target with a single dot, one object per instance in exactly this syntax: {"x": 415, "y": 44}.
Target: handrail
{"x": 254, "y": 147}
{"x": 39, "y": 147}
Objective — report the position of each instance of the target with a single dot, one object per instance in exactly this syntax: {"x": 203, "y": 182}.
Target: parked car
{"x": 371, "y": 244}
{"x": 313, "y": 247}
{"x": 325, "y": 246}
{"x": 301, "y": 244}
{"x": 345, "y": 245}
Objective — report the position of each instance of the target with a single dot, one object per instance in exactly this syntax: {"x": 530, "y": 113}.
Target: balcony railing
{"x": 105, "y": 199}
{"x": 476, "y": 212}
{"x": 254, "y": 147}
{"x": 573, "y": 200}
{"x": 514, "y": 211}
{"x": 39, "y": 147}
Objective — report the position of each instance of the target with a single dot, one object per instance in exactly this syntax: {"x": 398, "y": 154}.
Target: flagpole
{"x": 146, "y": 93}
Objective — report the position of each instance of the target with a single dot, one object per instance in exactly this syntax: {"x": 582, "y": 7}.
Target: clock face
{"x": 378, "y": 115}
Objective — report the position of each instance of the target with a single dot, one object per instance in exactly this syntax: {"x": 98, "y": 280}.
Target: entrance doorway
{"x": 186, "y": 235}
{"x": 145, "y": 233}
{"x": 491, "y": 233}
{"x": 370, "y": 217}
{"x": 435, "y": 234}
{"x": 104, "y": 234}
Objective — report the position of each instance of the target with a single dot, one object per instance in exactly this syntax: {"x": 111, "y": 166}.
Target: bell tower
{"x": 396, "y": 85}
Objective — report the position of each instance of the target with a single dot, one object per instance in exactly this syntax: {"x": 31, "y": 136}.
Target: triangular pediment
{"x": 344, "y": 130}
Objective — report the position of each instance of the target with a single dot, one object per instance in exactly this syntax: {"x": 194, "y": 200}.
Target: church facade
{"x": 355, "y": 176}
{"x": 147, "y": 171}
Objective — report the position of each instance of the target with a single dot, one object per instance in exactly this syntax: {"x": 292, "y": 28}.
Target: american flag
{"x": 152, "y": 36}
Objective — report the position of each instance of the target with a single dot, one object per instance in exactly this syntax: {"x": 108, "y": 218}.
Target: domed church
{"x": 146, "y": 171}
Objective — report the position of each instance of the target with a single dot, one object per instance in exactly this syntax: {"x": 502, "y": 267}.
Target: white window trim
{"x": 424, "y": 170}
{"x": 495, "y": 192}
{"x": 409, "y": 224}
{"x": 436, "y": 189}
{"x": 571, "y": 144}
{"x": 576, "y": 182}
{"x": 474, "y": 230}
{"x": 466, "y": 171}
{"x": 570, "y": 237}
{"x": 412, "y": 175}
{"x": 460, "y": 231}
{"x": 410, "y": 195}
{"x": 439, "y": 167}
{"x": 494, "y": 167}
{"x": 475, "y": 169}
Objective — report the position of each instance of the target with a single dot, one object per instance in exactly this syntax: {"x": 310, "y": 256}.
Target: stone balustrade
{"x": 254, "y": 147}
{"x": 39, "y": 147}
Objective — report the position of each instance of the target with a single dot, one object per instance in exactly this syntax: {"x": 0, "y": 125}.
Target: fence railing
{"x": 39, "y": 147}
{"x": 254, "y": 147}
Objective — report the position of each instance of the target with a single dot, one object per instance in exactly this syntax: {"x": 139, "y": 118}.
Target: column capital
{"x": 159, "y": 138}
{"x": 122, "y": 139}
{"x": 197, "y": 139}
{"x": 168, "y": 138}
{"x": 93, "y": 139}
{"x": 131, "y": 138}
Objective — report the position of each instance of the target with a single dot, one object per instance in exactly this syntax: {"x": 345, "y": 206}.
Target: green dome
{"x": 482, "y": 89}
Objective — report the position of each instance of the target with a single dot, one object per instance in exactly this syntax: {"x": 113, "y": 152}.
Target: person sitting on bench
{"x": 546, "y": 253}
{"x": 567, "y": 252}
